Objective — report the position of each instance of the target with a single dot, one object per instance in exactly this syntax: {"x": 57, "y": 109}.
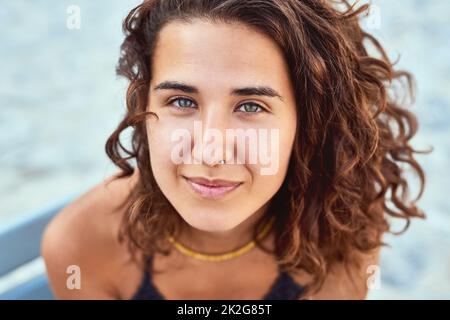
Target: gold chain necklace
{"x": 224, "y": 256}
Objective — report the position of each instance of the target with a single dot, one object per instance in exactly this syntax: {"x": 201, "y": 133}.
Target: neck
{"x": 221, "y": 242}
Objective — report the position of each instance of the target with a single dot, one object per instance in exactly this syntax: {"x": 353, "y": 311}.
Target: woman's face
{"x": 202, "y": 89}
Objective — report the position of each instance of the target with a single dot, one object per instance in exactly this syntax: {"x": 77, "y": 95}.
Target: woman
{"x": 294, "y": 210}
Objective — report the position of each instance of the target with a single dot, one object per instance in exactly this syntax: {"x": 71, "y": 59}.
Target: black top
{"x": 283, "y": 288}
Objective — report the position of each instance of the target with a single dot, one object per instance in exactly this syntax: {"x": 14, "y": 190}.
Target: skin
{"x": 214, "y": 58}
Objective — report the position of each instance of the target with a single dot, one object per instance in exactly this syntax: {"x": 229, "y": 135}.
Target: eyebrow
{"x": 245, "y": 91}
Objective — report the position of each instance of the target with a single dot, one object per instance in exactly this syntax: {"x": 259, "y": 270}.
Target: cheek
{"x": 160, "y": 148}
{"x": 287, "y": 138}
{"x": 267, "y": 178}
{"x": 270, "y": 172}
{"x": 275, "y": 149}
{"x": 162, "y": 131}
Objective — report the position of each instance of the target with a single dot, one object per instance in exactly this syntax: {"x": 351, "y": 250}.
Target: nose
{"x": 209, "y": 144}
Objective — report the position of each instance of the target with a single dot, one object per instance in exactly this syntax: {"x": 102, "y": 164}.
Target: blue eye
{"x": 250, "y": 108}
{"x": 183, "y": 103}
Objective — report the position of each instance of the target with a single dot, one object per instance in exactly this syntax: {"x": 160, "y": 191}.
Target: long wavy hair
{"x": 346, "y": 175}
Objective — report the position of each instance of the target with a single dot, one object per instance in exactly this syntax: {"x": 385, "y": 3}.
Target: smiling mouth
{"x": 211, "y": 189}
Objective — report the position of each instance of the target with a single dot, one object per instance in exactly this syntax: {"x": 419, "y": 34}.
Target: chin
{"x": 211, "y": 220}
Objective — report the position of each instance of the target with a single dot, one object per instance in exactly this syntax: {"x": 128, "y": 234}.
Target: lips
{"x": 213, "y": 183}
{"x": 209, "y": 188}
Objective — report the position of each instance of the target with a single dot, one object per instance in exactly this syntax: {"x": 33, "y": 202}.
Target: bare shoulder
{"x": 82, "y": 238}
{"x": 343, "y": 284}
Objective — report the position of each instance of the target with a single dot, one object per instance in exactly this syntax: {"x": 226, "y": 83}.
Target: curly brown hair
{"x": 353, "y": 135}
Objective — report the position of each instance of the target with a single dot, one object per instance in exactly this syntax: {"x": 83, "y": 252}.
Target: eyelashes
{"x": 172, "y": 101}
{"x": 247, "y": 108}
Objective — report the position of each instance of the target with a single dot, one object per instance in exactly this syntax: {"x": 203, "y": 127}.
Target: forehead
{"x": 217, "y": 53}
